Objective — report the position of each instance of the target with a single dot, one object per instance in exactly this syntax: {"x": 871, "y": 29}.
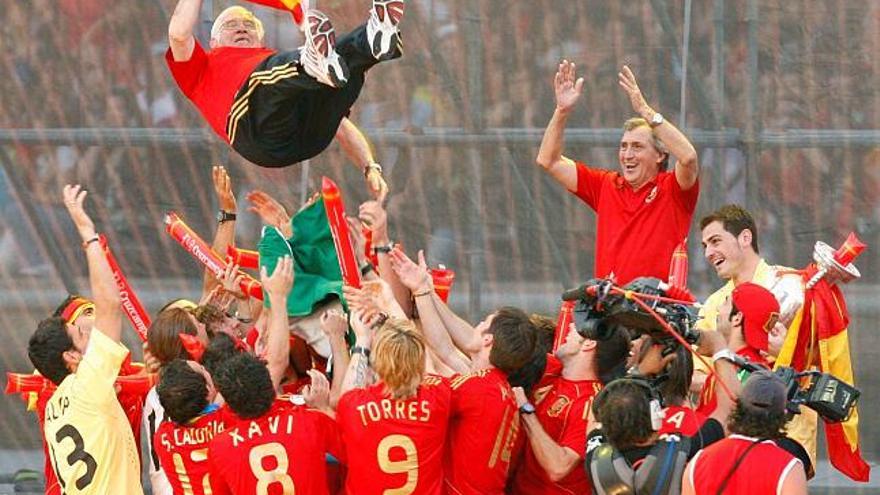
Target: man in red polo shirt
{"x": 279, "y": 108}
{"x": 643, "y": 211}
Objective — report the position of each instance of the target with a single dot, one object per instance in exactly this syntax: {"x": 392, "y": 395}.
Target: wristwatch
{"x": 372, "y": 166}
{"x": 657, "y": 119}
{"x": 366, "y": 268}
{"x": 384, "y": 249}
{"x": 225, "y": 216}
{"x": 363, "y": 351}
{"x": 527, "y": 408}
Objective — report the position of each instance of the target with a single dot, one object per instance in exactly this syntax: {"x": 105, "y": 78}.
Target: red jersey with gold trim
{"x": 762, "y": 470}
{"x": 681, "y": 420}
{"x": 483, "y": 432}
{"x": 281, "y": 452}
{"x": 395, "y": 446}
{"x": 183, "y": 452}
{"x": 562, "y": 407}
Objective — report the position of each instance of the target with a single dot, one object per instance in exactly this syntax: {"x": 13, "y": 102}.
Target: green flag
{"x": 316, "y": 268}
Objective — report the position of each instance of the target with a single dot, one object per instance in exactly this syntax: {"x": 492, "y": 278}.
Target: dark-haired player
{"x": 90, "y": 442}
{"x": 186, "y": 393}
{"x": 273, "y": 446}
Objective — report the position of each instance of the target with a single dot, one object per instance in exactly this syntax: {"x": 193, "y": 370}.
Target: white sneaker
{"x": 318, "y": 55}
{"x": 382, "y": 32}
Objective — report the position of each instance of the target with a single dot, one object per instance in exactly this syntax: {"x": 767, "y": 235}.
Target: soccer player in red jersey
{"x": 394, "y": 429}
{"x": 186, "y": 393}
{"x": 556, "y": 425}
{"x": 484, "y": 427}
{"x": 273, "y": 446}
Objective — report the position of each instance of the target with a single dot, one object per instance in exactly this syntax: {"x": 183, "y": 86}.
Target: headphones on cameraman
{"x": 654, "y": 399}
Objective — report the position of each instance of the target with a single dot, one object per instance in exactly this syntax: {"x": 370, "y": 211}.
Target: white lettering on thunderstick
{"x": 192, "y": 245}
{"x": 127, "y": 304}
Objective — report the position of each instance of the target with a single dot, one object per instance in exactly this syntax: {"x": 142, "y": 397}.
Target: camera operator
{"x": 673, "y": 372}
{"x": 626, "y": 454}
{"x": 749, "y": 461}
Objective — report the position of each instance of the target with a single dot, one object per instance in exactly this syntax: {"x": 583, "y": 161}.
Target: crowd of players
{"x": 410, "y": 397}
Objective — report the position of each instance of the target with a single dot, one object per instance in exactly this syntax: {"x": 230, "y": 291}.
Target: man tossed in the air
{"x": 279, "y": 108}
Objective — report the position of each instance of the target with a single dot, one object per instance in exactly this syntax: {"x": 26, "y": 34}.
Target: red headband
{"x": 75, "y": 308}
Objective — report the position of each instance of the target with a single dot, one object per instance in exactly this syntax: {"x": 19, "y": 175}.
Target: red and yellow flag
{"x": 293, "y": 6}
{"x": 823, "y": 330}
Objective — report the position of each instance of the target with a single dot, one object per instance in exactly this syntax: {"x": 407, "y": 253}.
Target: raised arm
{"x": 462, "y": 332}
{"x": 687, "y": 169}
{"x": 225, "y": 235}
{"x": 358, "y": 149}
{"x": 374, "y": 216}
{"x": 278, "y": 342}
{"x": 334, "y": 325}
{"x": 417, "y": 279}
{"x": 105, "y": 293}
{"x": 710, "y": 343}
{"x": 181, "y": 28}
{"x": 359, "y": 374}
{"x": 568, "y": 90}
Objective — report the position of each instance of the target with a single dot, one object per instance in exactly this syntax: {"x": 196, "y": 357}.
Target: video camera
{"x": 598, "y": 309}
{"x": 830, "y": 397}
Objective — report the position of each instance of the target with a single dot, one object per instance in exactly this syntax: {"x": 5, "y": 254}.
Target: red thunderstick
{"x": 203, "y": 253}
{"x": 335, "y": 209}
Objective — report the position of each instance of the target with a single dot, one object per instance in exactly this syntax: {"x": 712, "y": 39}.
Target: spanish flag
{"x": 295, "y": 7}
{"x": 823, "y": 330}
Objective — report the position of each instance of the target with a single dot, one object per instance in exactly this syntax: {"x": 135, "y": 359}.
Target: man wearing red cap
{"x": 751, "y": 313}
{"x": 745, "y": 319}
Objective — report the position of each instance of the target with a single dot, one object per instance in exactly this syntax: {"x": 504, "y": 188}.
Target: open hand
{"x": 271, "y": 212}
{"x": 627, "y": 81}
{"x": 281, "y": 280}
{"x": 223, "y": 189}
{"x": 414, "y": 277}
{"x": 568, "y": 88}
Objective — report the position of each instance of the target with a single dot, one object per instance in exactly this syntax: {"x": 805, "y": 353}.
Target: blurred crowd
{"x": 98, "y": 63}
